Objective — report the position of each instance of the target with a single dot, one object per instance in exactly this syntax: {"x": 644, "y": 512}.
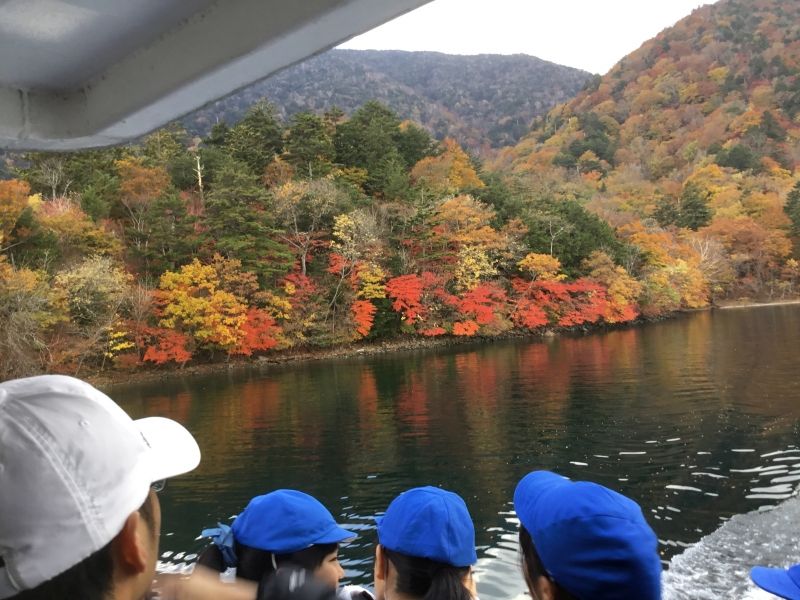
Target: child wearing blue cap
{"x": 284, "y": 527}
{"x": 784, "y": 583}
{"x": 583, "y": 541}
{"x": 426, "y": 547}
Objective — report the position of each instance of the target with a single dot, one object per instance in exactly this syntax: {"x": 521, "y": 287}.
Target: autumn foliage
{"x": 259, "y": 331}
{"x": 363, "y": 314}
{"x": 669, "y": 184}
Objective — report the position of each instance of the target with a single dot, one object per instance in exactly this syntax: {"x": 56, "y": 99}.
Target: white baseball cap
{"x": 73, "y": 467}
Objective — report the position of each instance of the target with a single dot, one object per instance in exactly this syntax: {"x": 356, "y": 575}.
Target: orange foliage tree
{"x": 13, "y": 200}
{"x": 447, "y": 173}
{"x": 139, "y": 186}
{"x": 622, "y": 289}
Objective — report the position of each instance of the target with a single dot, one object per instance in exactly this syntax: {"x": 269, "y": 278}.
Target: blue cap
{"x": 781, "y": 582}
{"x": 593, "y": 541}
{"x": 429, "y": 522}
{"x": 286, "y": 521}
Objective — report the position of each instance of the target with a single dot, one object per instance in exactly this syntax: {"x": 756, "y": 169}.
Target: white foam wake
{"x": 718, "y": 566}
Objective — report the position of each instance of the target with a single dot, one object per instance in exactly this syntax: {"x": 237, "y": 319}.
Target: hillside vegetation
{"x": 665, "y": 185}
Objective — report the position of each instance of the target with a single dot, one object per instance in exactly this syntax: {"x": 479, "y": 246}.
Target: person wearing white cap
{"x": 79, "y": 517}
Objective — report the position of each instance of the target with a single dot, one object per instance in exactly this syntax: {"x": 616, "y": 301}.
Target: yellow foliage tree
{"x": 76, "y": 233}
{"x": 192, "y": 300}
{"x": 542, "y": 267}
{"x": 371, "y": 278}
{"x": 463, "y": 220}
{"x": 473, "y": 266}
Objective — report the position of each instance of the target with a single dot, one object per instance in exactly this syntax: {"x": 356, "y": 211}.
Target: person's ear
{"x": 380, "y": 567}
{"x": 543, "y": 589}
{"x": 131, "y": 545}
{"x": 469, "y": 583}
{"x": 379, "y": 576}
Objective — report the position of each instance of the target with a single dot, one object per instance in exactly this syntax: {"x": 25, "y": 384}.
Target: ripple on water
{"x": 683, "y": 488}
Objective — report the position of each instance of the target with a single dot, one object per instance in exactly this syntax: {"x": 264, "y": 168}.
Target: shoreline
{"x": 110, "y": 379}
{"x": 733, "y": 304}
{"x": 356, "y": 349}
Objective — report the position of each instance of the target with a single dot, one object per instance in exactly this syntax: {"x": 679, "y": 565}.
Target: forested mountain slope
{"x": 697, "y": 131}
{"x": 484, "y": 100}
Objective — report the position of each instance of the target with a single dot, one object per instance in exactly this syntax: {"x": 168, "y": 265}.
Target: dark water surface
{"x": 696, "y": 418}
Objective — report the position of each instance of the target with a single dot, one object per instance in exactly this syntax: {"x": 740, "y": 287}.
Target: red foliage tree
{"x": 364, "y": 316}
{"x": 164, "y": 345}
{"x": 529, "y": 314}
{"x": 466, "y": 328}
{"x": 406, "y": 293}
{"x": 565, "y": 304}
{"x": 433, "y": 331}
{"x": 260, "y": 332}
{"x": 336, "y": 263}
{"x": 483, "y": 303}
{"x": 302, "y": 288}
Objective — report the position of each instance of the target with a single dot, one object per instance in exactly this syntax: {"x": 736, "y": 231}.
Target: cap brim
{"x": 173, "y": 450}
{"x": 775, "y": 581}
{"x": 336, "y": 535}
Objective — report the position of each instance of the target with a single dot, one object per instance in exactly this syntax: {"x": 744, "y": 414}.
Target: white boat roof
{"x": 85, "y": 73}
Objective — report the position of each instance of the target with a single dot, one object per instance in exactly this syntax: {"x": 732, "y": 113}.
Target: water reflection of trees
{"x": 356, "y": 432}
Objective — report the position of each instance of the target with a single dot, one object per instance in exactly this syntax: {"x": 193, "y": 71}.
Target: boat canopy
{"x": 86, "y": 73}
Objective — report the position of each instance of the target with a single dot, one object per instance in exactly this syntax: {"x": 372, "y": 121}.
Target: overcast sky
{"x": 587, "y": 34}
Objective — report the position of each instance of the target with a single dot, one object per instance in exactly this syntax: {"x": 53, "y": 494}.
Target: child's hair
{"x": 254, "y": 564}
{"x": 533, "y": 568}
{"x": 428, "y": 579}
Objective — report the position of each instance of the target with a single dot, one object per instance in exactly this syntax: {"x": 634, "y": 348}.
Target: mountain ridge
{"x": 484, "y": 100}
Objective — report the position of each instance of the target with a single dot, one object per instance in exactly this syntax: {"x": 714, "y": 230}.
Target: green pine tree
{"x": 239, "y": 223}
{"x": 694, "y": 211}
{"x": 309, "y": 145}
{"x": 256, "y": 139}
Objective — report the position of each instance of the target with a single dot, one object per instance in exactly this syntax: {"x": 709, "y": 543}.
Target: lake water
{"x": 697, "y": 418}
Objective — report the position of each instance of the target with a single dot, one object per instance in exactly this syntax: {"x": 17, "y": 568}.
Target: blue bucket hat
{"x": 286, "y": 521}
{"x": 781, "y": 582}
{"x": 429, "y": 522}
{"x": 592, "y": 541}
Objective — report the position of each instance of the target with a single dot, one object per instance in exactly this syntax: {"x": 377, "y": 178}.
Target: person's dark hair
{"x": 147, "y": 510}
{"x": 428, "y": 579}
{"x": 291, "y": 583}
{"x": 254, "y": 564}
{"x": 90, "y": 579}
{"x": 533, "y": 567}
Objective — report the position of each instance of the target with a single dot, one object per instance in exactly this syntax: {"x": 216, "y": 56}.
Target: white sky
{"x": 587, "y": 34}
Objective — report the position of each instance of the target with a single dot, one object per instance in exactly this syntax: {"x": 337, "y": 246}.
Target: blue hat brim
{"x": 336, "y": 535}
{"x": 775, "y": 581}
